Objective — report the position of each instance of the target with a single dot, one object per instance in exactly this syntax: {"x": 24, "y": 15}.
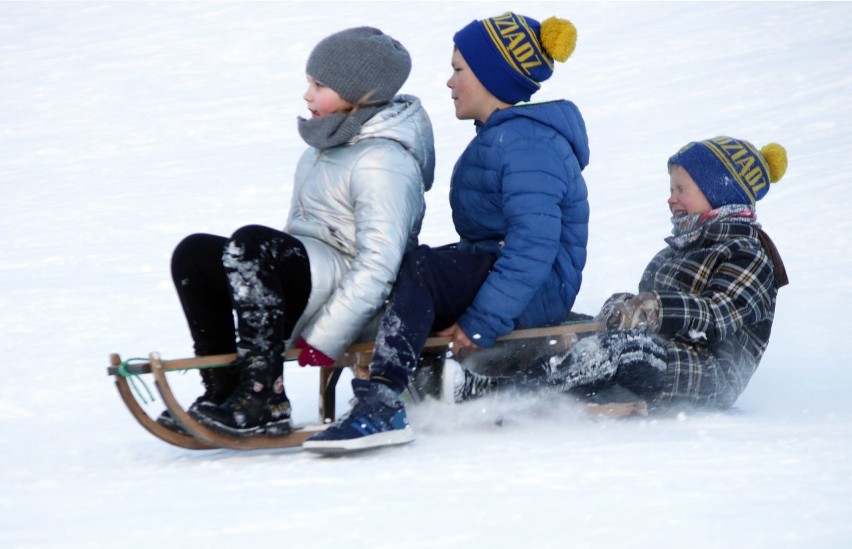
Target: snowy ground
{"x": 125, "y": 126}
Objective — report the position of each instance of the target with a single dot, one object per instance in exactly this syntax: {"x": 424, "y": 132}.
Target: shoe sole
{"x": 166, "y": 420}
{"x": 278, "y": 428}
{"x": 172, "y": 425}
{"x": 448, "y": 383}
{"x": 395, "y": 437}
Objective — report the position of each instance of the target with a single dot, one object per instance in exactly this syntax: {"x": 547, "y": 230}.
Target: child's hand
{"x": 627, "y": 312}
{"x": 460, "y": 343}
{"x": 311, "y": 356}
{"x": 612, "y": 305}
{"x": 611, "y": 302}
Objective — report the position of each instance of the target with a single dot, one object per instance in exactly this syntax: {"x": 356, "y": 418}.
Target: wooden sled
{"x": 199, "y": 437}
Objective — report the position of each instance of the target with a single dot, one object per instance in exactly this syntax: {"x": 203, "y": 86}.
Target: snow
{"x": 126, "y": 126}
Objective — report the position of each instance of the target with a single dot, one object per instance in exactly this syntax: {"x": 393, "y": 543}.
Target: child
{"x": 696, "y": 331}
{"x": 357, "y": 206}
{"x": 520, "y": 206}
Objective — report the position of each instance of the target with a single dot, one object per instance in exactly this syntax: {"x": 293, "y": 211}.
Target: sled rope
{"x": 137, "y": 384}
{"x": 135, "y": 380}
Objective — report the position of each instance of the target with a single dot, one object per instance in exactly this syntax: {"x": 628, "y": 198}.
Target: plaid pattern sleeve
{"x": 717, "y": 303}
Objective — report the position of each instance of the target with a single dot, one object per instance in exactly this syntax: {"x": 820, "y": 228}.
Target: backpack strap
{"x": 769, "y": 246}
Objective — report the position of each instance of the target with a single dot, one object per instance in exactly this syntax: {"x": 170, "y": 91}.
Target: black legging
{"x": 261, "y": 273}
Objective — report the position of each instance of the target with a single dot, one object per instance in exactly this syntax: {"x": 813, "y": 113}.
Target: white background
{"x": 126, "y": 126}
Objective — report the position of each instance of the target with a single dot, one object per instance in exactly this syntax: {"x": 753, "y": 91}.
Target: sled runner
{"x": 519, "y": 347}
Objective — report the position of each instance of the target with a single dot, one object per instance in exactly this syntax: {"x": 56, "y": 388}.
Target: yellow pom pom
{"x": 776, "y": 159}
{"x": 558, "y": 37}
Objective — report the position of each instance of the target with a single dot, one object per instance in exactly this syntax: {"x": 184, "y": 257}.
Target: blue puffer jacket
{"x": 517, "y": 191}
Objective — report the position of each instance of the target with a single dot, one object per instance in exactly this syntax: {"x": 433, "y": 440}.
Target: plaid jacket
{"x": 717, "y": 302}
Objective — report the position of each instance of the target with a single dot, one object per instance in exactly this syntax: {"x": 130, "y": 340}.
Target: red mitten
{"x": 311, "y": 356}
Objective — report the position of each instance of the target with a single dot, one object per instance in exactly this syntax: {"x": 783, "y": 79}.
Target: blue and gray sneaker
{"x": 376, "y": 419}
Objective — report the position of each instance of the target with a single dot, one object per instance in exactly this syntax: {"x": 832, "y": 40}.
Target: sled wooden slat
{"x": 356, "y": 355}
{"x": 618, "y": 409}
{"x": 173, "y": 365}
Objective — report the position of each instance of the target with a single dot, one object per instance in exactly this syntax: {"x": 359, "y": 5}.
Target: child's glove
{"x": 611, "y": 305}
{"x": 311, "y": 356}
{"x": 629, "y": 312}
{"x": 611, "y": 302}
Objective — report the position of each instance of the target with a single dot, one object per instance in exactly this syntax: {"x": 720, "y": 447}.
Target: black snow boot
{"x": 218, "y": 383}
{"x": 259, "y": 405}
{"x": 425, "y": 378}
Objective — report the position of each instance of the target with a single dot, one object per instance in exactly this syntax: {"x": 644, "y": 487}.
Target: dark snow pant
{"x": 261, "y": 273}
{"x": 434, "y": 287}
{"x": 629, "y": 358}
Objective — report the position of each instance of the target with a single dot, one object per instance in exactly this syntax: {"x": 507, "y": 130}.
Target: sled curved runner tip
{"x": 160, "y": 431}
{"x": 218, "y": 440}
{"x": 199, "y": 437}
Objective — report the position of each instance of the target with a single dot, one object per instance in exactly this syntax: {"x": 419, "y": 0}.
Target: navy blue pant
{"x": 435, "y": 286}
{"x": 212, "y": 282}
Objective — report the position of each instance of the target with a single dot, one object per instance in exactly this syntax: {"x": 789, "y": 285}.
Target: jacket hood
{"x": 406, "y": 122}
{"x": 563, "y": 116}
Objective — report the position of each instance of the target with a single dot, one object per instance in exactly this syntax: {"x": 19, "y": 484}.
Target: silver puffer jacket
{"x": 357, "y": 208}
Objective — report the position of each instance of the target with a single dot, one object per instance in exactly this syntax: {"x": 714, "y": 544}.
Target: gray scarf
{"x": 689, "y": 228}
{"x": 335, "y": 129}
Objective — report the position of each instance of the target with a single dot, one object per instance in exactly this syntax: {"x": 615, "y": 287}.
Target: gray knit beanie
{"x": 362, "y": 64}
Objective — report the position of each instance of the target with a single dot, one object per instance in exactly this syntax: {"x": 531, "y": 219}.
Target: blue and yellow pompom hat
{"x": 731, "y": 171}
{"x": 511, "y": 54}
